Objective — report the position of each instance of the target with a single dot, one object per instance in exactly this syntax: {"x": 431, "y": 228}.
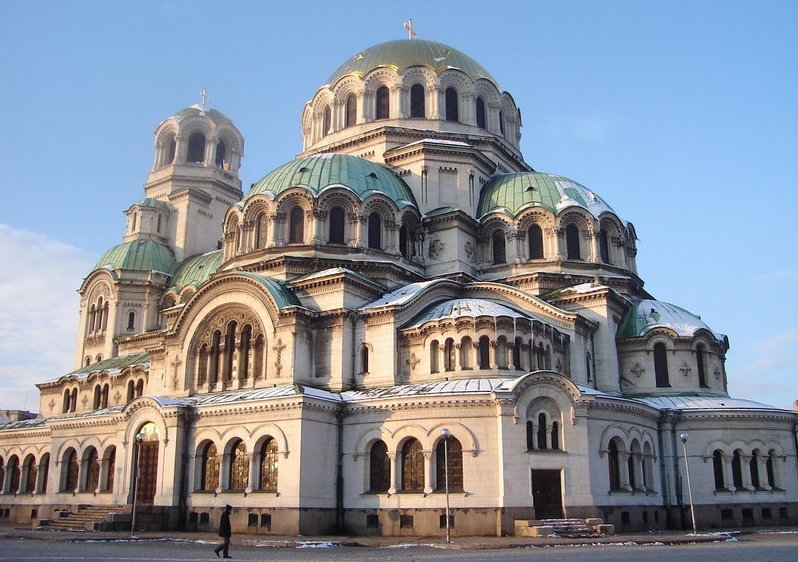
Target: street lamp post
{"x": 684, "y": 437}
{"x": 137, "y": 468}
{"x": 445, "y": 434}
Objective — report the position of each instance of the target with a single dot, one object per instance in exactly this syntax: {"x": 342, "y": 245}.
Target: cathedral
{"x": 407, "y": 329}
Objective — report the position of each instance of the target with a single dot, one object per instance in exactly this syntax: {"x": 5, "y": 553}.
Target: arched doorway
{"x": 147, "y": 464}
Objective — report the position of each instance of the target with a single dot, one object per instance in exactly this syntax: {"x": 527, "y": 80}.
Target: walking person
{"x": 224, "y": 532}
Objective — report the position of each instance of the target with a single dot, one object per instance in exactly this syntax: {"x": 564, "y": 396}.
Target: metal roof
{"x": 139, "y": 255}
{"x": 646, "y": 314}
{"x": 405, "y": 53}
{"x": 459, "y": 308}
{"x": 114, "y": 364}
{"x": 322, "y": 171}
{"x": 515, "y": 192}
{"x": 197, "y": 269}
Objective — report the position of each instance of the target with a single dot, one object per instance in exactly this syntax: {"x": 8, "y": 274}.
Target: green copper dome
{"x": 322, "y": 171}
{"x": 139, "y": 255}
{"x": 405, "y": 53}
{"x": 196, "y": 270}
{"x": 512, "y": 193}
{"x": 214, "y": 115}
{"x": 647, "y": 314}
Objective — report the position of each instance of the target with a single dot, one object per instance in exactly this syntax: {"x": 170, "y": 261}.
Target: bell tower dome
{"x": 198, "y": 153}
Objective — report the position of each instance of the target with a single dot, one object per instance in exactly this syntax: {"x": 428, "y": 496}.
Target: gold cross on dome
{"x": 408, "y": 25}
{"x": 203, "y": 97}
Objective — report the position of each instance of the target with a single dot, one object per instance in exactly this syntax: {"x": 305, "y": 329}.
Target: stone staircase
{"x": 570, "y": 528}
{"x": 86, "y": 518}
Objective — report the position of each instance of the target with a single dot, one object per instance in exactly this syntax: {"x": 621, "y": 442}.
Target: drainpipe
{"x": 677, "y": 481}
{"x": 339, "y": 473}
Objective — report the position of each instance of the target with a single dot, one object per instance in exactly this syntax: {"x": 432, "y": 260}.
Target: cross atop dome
{"x": 408, "y": 25}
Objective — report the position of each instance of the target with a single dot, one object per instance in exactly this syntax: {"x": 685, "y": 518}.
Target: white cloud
{"x": 770, "y": 374}
{"x": 591, "y": 128}
{"x": 776, "y": 278}
{"x": 38, "y": 312}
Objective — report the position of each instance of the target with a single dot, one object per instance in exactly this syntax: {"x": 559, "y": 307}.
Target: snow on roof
{"x": 437, "y": 141}
{"x": 471, "y": 308}
{"x": 463, "y": 386}
{"x": 282, "y": 391}
{"x": 400, "y": 296}
{"x": 703, "y": 403}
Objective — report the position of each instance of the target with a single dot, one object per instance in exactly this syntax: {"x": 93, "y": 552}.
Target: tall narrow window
{"x": 434, "y": 352}
{"x": 72, "y": 470}
{"x": 604, "y": 246}
{"x": 572, "y": 242}
{"x": 501, "y": 122}
{"x": 379, "y": 468}
{"x": 171, "y": 148}
{"x": 131, "y": 390}
{"x": 403, "y": 246}
{"x": 699, "y": 359}
{"x": 104, "y": 396}
{"x": 131, "y": 321}
{"x": 737, "y": 470}
{"x": 481, "y": 113}
{"x": 239, "y": 467}
{"x": 215, "y": 357}
{"x": 29, "y": 470}
{"x": 530, "y": 436}
{"x": 229, "y": 350}
{"x": 661, "y": 365}
{"x": 588, "y": 367}
{"x": 209, "y": 479}
{"x": 375, "y": 231}
{"x": 93, "y": 470}
{"x": 244, "y": 352}
{"x": 753, "y": 466}
{"x": 517, "y": 354}
{"x": 417, "y": 101}
{"x": 448, "y": 355}
{"x": 221, "y": 154}
{"x": 535, "y": 240}
{"x": 351, "y": 110}
{"x": 452, "y": 449}
{"x": 337, "y": 225}
{"x": 326, "y": 121}
{"x": 73, "y": 403}
{"x": 466, "y": 353}
{"x": 555, "y": 435}
{"x": 67, "y": 397}
{"x": 140, "y": 388}
{"x": 717, "y": 469}
{"x": 484, "y": 352}
{"x": 412, "y": 466}
{"x": 110, "y": 468}
{"x": 614, "y": 466}
{"x": 452, "y": 105}
{"x": 382, "y": 109}
{"x": 44, "y": 470}
{"x": 499, "y": 250}
{"x": 268, "y": 466}
{"x": 770, "y": 470}
{"x": 364, "y": 358}
{"x": 542, "y": 430}
{"x": 296, "y": 228}
{"x": 196, "y": 148}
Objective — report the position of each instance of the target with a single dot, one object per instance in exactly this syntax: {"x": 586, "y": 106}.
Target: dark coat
{"x": 224, "y": 525}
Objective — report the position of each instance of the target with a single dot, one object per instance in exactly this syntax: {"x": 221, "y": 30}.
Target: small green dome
{"x": 322, "y": 171}
{"x": 512, "y": 193}
{"x": 646, "y": 314}
{"x": 405, "y": 53}
{"x": 139, "y": 255}
{"x": 214, "y": 115}
{"x": 196, "y": 270}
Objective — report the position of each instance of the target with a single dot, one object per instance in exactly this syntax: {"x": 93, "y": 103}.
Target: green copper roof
{"x": 405, "y": 53}
{"x": 196, "y": 270}
{"x": 646, "y": 314}
{"x": 139, "y": 255}
{"x": 216, "y": 116}
{"x": 150, "y": 202}
{"x": 321, "y": 171}
{"x": 114, "y": 364}
{"x": 512, "y": 193}
{"x": 281, "y": 295}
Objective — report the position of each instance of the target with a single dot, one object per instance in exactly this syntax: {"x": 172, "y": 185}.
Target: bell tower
{"x": 194, "y": 180}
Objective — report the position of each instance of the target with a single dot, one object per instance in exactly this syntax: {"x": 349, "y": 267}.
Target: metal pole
{"x": 137, "y": 468}
{"x": 445, "y": 433}
{"x": 684, "y": 438}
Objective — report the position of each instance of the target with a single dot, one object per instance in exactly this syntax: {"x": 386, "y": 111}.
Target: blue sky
{"x": 682, "y": 115}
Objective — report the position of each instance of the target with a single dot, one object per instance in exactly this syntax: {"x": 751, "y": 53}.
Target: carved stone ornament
{"x": 637, "y": 370}
{"x": 413, "y": 360}
{"x": 469, "y": 250}
{"x": 716, "y": 372}
{"x": 685, "y": 369}
{"x": 436, "y": 249}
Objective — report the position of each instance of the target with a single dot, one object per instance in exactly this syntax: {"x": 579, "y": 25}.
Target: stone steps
{"x": 570, "y": 528}
{"x": 86, "y": 518}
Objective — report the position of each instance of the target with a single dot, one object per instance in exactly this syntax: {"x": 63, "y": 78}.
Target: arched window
{"x": 351, "y": 110}
{"x": 770, "y": 469}
{"x": 107, "y": 482}
{"x": 72, "y": 471}
{"x": 412, "y": 466}
{"x": 268, "y": 466}
{"x": 67, "y": 397}
{"x": 452, "y": 105}
{"x": 555, "y": 435}
{"x": 589, "y": 367}
{"x": 630, "y": 464}
{"x": 96, "y": 403}
{"x": 382, "y": 100}
{"x": 466, "y": 351}
{"x": 221, "y": 154}
{"x": 337, "y": 216}
{"x": 448, "y": 355}
{"x": 14, "y": 474}
{"x": 661, "y": 365}
{"x": 499, "y": 251}
{"x": 484, "y": 352}
{"x": 259, "y": 360}
{"x": 261, "y": 230}
{"x": 535, "y": 240}
{"x": 229, "y": 348}
{"x": 572, "y": 242}
{"x": 699, "y": 359}
{"x": 158, "y": 224}
{"x": 244, "y": 352}
{"x": 44, "y": 471}
{"x": 434, "y": 351}
{"x": 29, "y": 470}
{"x": 196, "y": 148}
{"x": 140, "y": 388}
{"x": 737, "y": 470}
{"x": 131, "y": 390}
{"x": 216, "y": 342}
{"x": 542, "y": 430}
{"x": 417, "y": 101}
{"x": 73, "y": 403}
{"x": 717, "y": 469}
{"x": 517, "y": 354}
{"x": 93, "y": 470}
{"x": 454, "y": 467}
{"x": 171, "y": 149}
{"x": 239, "y": 467}
{"x": 364, "y": 358}
{"x": 379, "y": 468}
{"x": 104, "y": 396}
{"x": 753, "y": 466}
{"x": 2, "y": 474}
{"x": 375, "y": 231}
{"x": 296, "y": 226}
{"x": 614, "y": 466}
{"x": 326, "y": 121}
{"x": 403, "y": 245}
{"x": 530, "y": 436}
{"x": 501, "y": 352}
{"x": 480, "y": 113}
{"x": 501, "y": 122}
{"x": 604, "y": 246}
{"x": 209, "y": 478}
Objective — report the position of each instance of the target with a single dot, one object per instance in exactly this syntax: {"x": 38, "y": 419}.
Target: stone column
{"x": 252, "y": 476}
{"x": 428, "y": 472}
{"x": 745, "y": 469}
{"x": 594, "y": 246}
{"x": 623, "y": 470}
{"x": 394, "y": 459}
{"x": 728, "y": 479}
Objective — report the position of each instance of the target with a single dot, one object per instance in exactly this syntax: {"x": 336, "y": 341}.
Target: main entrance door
{"x": 148, "y": 464}
{"x": 547, "y": 494}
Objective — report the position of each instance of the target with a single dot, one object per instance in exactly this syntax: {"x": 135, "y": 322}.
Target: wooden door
{"x": 547, "y": 494}
{"x": 148, "y": 475}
